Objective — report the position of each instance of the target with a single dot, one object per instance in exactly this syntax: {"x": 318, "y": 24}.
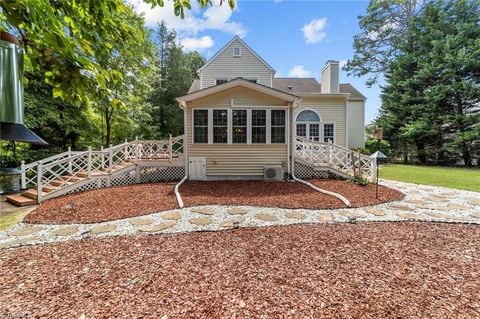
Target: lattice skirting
{"x": 303, "y": 171}
{"x": 148, "y": 174}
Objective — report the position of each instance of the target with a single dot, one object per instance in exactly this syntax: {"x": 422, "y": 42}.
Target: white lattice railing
{"x": 321, "y": 154}
{"x": 69, "y": 165}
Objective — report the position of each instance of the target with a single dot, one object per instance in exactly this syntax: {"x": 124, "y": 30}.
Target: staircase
{"x": 334, "y": 158}
{"x": 63, "y": 173}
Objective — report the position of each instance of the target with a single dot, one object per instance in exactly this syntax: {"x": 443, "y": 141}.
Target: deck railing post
{"x": 330, "y": 153}
{"x": 69, "y": 161}
{"x": 24, "y": 176}
{"x": 39, "y": 181}
{"x": 110, "y": 160}
{"x": 102, "y": 157}
{"x": 125, "y": 150}
{"x": 170, "y": 151}
{"x": 137, "y": 150}
{"x": 89, "y": 162}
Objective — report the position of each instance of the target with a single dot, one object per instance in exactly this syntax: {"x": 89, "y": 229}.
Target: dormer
{"x": 235, "y": 60}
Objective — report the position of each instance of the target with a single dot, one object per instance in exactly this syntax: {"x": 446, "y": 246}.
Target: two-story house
{"x": 241, "y": 119}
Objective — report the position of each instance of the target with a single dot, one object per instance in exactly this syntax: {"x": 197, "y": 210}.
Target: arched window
{"x": 308, "y": 116}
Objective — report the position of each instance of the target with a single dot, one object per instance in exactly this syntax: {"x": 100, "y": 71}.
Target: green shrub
{"x": 358, "y": 180}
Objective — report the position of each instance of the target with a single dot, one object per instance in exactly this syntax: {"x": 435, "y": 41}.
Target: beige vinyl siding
{"x": 330, "y": 109}
{"x": 236, "y": 159}
{"x": 356, "y": 124}
{"x": 247, "y": 66}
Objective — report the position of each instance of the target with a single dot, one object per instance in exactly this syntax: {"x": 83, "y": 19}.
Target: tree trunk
{"x": 467, "y": 158}
{"x": 108, "y": 129}
{"x": 421, "y": 153}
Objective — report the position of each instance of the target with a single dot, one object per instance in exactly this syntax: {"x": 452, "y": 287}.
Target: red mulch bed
{"x": 105, "y": 204}
{"x": 135, "y": 200}
{"x": 366, "y": 270}
{"x": 283, "y": 194}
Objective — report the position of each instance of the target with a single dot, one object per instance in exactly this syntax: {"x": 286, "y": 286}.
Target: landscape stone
{"x": 417, "y": 202}
{"x": 295, "y": 215}
{"x": 375, "y": 211}
{"x": 433, "y": 207}
{"x": 25, "y": 231}
{"x": 227, "y": 225}
{"x": 457, "y": 207}
{"x": 325, "y": 217}
{"x": 172, "y": 215}
{"x": 476, "y": 214}
{"x": 157, "y": 227}
{"x": 266, "y": 217}
{"x": 66, "y": 231}
{"x": 202, "y": 221}
{"x": 352, "y": 214}
{"x": 140, "y": 222}
{"x": 435, "y": 199}
{"x": 446, "y": 216}
{"x": 237, "y": 211}
{"x": 102, "y": 229}
{"x": 17, "y": 242}
{"x": 235, "y": 221}
{"x": 203, "y": 211}
{"x": 400, "y": 208}
{"x": 475, "y": 201}
{"x": 410, "y": 216}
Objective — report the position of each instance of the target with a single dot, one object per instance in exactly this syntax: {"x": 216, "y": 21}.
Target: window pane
{"x": 315, "y": 132}
{"x": 278, "y": 134}
{"x": 259, "y": 126}
{"x": 302, "y": 130}
{"x": 278, "y": 126}
{"x": 308, "y": 116}
{"x": 200, "y": 126}
{"x": 328, "y": 133}
{"x": 239, "y": 126}
{"x": 220, "y": 122}
{"x": 278, "y": 117}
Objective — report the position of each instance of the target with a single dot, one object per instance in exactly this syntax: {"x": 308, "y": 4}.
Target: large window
{"x": 220, "y": 126}
{"x": 200, "y": 126}
{"x": 259, "y": 126}
{"x": 329, "y": 133}
{"x": 239, "y": 126}
{"x": 278, "y": 126}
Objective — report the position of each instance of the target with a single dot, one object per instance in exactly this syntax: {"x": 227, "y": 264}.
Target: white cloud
{"x": 299, "y": 71}
{"x": 196, "y": 20}
{"x": 342, "y": 63}
{"x": 315, "y": 30}
{"x": 199, "y": 44}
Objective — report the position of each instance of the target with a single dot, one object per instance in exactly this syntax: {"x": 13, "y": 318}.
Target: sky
{"x": 294, "y": 37}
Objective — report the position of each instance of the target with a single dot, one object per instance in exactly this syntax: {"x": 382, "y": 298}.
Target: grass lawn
{"x": 461, "y": 178}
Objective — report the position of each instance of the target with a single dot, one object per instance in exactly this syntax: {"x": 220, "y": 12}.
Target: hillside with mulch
{"x": 141, "y": 199}
{"x": 366, "y": 270}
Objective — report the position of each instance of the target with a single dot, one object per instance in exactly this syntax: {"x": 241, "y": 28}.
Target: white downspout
{"x": 185, "y": 155}
{"x": 289, "y": 131}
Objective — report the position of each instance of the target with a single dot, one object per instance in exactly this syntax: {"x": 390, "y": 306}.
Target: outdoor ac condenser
{"x": 273, "y": 173}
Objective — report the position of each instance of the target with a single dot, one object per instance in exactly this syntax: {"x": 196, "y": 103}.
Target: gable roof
{"x": 192, "y": 95}
{"x": 245, "y": 45}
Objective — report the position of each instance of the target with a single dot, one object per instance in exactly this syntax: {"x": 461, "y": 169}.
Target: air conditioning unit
{"x": 273, "y": 173}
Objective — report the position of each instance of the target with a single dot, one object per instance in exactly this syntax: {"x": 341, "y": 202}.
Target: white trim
{"x": 193, "y": 124}
{"x": 307, "y": 109}
{"x": 249, "y": 126}
{"x": 268, "y": 129}
{"x": 227, "y": 45}
{"x": 347, "y": 129}
{"x": 229, "y": 127}
{"x": 210, "y": 126}
{"x": 239, "y": 55}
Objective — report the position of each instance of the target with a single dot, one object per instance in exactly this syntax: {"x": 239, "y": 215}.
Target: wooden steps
{"x": 21, "y": 200}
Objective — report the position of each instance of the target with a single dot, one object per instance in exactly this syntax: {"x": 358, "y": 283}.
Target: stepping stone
{"x": 325, "y": 217}
{"x": 295, "y": 215}
{"x": 446, "y": 216}
{"x": 416, "y": 202}
{"x": 475, "y": 201}
{"x": 352, "y": 214}
{"x": 375, "y": 211}
{"x": 435, "y": 199}
{"x": 266, "y": 217}
{"x": 17, "y": 242}
{"x": 172, "y": 215}
{"x": 476, "y": 215}
{"x": 203, "y": 211}
{"x": 400, "y": 208}
{"x": 457, "y": 206}
{"x": 66, "y": 231}
{"x": 413, "y": 191}
{"x": 140, "y": 222}
{"x": 433, "y": 207}
{"x": 25, "y": 231}
{"x": 201, "y": 221}
{"x": 237, "y": 220}
{"x": 102, "y": 229}
{"x": 410, "y": 216}
{"x": 237, "y": 211}
{"x": 157, "y": 227}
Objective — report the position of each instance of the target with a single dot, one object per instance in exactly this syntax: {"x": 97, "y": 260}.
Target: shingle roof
{"x": 298, "y": 86}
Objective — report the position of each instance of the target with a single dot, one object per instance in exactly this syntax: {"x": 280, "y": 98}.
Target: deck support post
{"x": 24, "y": 177}
{"x": 137, "y": 150}
{"x": 89, "y": 163}
{"x": 102, "y": 158}
{"x": 170, "y": 147}
{"x": 70, "y": 171}
{"x": 110, "y": 160}
{"x": 39, "y": 181}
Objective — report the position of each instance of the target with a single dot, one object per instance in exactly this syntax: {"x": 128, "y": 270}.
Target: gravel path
{"x": 366, "y": 270}
{"x": 421, "y": 203}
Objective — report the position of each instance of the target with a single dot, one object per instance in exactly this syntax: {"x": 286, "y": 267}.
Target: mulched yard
{"x": 366, "y": 270}
{"x": 135, "y": 200}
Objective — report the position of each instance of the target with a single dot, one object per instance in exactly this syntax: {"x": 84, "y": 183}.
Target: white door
{"x": 197, "y": 168}
{"x": 310, "y": 131}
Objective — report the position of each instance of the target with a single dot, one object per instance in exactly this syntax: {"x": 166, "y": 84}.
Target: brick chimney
{"x": 330, "y": 77}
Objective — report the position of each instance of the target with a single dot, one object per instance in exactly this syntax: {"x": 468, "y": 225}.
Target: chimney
{"x": 330, "y": 77}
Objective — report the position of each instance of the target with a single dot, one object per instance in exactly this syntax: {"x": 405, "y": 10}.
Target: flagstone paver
{"x": 172, "y": 215}
{"x": 417, "y": 202}
{"x": 375, "y": 211}
{"x": 237, "y": 211}
{"x": 295, "y": 215}
{"x": 26, "y": 231}
{"x": 446, "y": 216}
{"x": 325, "y": 217}
{"x": 17, "y": 242}
{"x": 400, "y": 208}
{"x": 157, "y": 227}
{"x": 409, "y": 216}
{"x": 66, "y": 231}
{"x": 102, "y": 229}
{"x": 203, "y": 211}
{"x": 351, "y": 214}
{"x": 202, "y": 221}
{"x": 475, "y": 215}
{"x": 266, "y": 217}
{"x": 473, "y": 200}
{"x": 141, "y": 221}
{"x": 433, "y": 207}
{"x": 457, "y": 206}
